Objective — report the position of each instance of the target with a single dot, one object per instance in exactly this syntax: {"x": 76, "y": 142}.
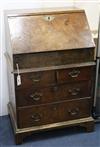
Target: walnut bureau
{"x": 51, "y": 70}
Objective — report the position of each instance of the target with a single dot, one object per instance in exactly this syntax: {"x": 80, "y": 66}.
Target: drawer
{"x": 36, "y": 79}
{"x": 35, "y": 96}
{"x": 53, "y": 113}
{"x": 74, "y": 74}
{"x": 53, "y": 58}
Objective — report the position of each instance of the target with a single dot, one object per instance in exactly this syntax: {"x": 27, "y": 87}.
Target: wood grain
{"x": 55, "y": 53}
{"x": 35, "y": 34}
{"x": 36, "y": 96}
{"x": 52, "y": 113}
{"x": 55, "y": 58}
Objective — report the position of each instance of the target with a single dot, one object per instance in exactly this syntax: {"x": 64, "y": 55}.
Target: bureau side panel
{"x": 11, "y": 86}
{"x": 9, "y": 59}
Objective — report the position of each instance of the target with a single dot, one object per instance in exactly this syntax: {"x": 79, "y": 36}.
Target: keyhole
{"x": 48, "y": 17}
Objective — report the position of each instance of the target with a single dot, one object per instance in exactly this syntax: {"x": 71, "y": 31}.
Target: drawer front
{"x": 53, "y": 113}
{"x": 34, "y": 96}
{"x": 36, "y": 79}
{"x": 74, "y": 74}
{"x": 55, "y": 58}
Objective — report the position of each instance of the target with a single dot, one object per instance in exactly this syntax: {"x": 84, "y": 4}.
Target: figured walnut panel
{"x": 36, "y": 79}
{"x": 55, "y": 58}
{"x": 52, "y": 113}
{"x": 36, "y": 96}
{"x": 49, "y": 32}
{"x": 75, "y": 74}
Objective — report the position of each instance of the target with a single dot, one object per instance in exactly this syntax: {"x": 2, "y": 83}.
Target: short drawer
{"x": 34, "y": 96}
{"x": 53, "y": 113}
{"x": 37, "y": 79}
{"x": 74, "y": 74}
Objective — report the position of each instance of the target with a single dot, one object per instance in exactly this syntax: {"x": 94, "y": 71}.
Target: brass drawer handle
{"x": 35, "y": 78}
{"x": 36, "y": 117}
{"x": 74, "y": 73}
{"x": 74, "y": 112}
{"x": 74, "y": 91}
{"x": 36, "y": 96}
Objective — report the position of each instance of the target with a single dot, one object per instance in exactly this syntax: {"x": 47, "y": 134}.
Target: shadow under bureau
{"x": 51, "y": 70}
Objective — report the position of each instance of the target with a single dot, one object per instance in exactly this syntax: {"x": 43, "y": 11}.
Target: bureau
{"x": 51, "y": 70}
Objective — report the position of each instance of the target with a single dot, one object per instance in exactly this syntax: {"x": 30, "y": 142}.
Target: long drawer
{"x": 34, "y": 96}
{"x": 55, "y": 58}
{"x": 53, "y": 113}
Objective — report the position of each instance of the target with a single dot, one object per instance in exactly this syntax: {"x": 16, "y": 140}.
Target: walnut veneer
{"x": 55, "y": 53}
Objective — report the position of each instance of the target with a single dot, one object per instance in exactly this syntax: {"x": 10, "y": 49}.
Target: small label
{"x": 18, "y": 80}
